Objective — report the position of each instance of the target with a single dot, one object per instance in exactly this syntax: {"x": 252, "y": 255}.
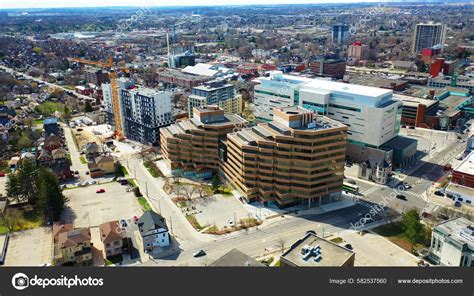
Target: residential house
{"x": 51, "y": 126}
{"x": 59, "y": 154}
{"x": 106, "y": 164}
{"x": 153, "y": 231}
{"x": 59, "y": 228}
{"x": 376, "y": 171}
{"x": 92, "y": 150}
{"x": 44, "y": 158}
{"x": 73, "y": 247}
{"x": 112, "y": 236}
{"x": 52, "y": 142}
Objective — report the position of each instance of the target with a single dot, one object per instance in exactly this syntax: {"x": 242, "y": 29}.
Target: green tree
{"x": 412, "y": 227}
{"x": 28, "y": 176}
{"x": 215, "y": 182}
{"x": 50, "y": 195}
{"x": 88, "y": 107}
{"x": 66, "y": 112}
{"x": 13, "y": 187}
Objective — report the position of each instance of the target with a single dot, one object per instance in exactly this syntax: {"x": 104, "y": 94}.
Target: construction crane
{"x": 109, "y": 67}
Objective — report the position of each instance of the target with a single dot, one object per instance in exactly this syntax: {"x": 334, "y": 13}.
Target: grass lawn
{"x": 38, "y": 121}
{"x": 3, "y": 229}
{"x": 83, "y": 159}
{"x": 394, "y": 233}
{"x": 114, "y": 260}
{"x": 153, "y": 169}
{"x": 337, "y": 240}
{"x": 48, "y": 108}
{"x": 144, "y": 204}
{"x": 132, "y": 182}
{"x": 194, "y": 222}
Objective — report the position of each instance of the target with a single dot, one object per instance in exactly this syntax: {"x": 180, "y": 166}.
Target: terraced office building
{"x": 296, "y": 158}
{"x": 194, "y": 147}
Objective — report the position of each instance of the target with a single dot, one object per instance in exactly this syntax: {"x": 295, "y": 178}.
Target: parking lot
{"x": 31, "y": 247}
{"x": 86, "y": 208}
{"x": 219, "y": 209}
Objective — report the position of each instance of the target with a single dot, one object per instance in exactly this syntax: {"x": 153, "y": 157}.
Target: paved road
{"x": 76, "y": 163}
{"x": 255, "y": 242}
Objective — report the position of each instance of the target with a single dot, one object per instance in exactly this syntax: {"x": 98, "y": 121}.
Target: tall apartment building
{"x": 194, "y": 147}
{"x": 96, "y": 76}
{"x": 340, "y": 33}
{"x": 143, "y": 110}
{"x": 216, "y": 92}
{"x": 296, "y": 158}
{"x": 428, "y": 35}
{"x": 358, "y": 51}
{"x": 371, "y": 114}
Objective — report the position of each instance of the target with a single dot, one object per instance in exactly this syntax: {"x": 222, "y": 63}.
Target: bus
{"x": 351, "y": 188}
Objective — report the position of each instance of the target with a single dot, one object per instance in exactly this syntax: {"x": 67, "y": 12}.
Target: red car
{"x": 100, "y": 190}
{"x": 2, "y": 174}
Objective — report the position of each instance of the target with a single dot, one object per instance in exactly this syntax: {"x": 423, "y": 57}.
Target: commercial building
{"x": 178, "y": 78}
{"x": 217, "y": 92}
{"x": 358, "y": 51}
{"x": 453, "y": 102}
{"x": 463, "y": 174}
{"x": 314, "y": 251}
{"x": 333, "y": 68}
{"x": 428, "y": 35}
{"x": 371, "y": 114}
{"x": 143, "y": 110}
{"x": 452, "y": 243}
{"x": 419, "y": 112}
{"x": 340, "y": 33}
{"x": 193, "y": 147}
{"x": 296, "y": 158}
{"x": 452, "y": 81}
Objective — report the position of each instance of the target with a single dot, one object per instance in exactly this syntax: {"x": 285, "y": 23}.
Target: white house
{"x": 153, "y": 231}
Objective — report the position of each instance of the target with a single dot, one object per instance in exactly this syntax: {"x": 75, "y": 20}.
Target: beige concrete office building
{"x": 296, "y": 158}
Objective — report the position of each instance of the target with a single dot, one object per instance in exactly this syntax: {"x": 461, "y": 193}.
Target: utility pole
{"x": 171, "y": 226}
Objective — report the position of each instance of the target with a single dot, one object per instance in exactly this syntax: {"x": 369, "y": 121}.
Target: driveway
{"x": 31, "y": 247}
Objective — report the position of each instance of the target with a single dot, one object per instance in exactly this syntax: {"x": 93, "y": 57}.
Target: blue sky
{"x": 94, "y": 3}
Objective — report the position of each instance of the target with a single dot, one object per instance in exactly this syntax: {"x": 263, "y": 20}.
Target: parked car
{"x": 230, "y": 222}
{"x": 443, "y": 217}
{"x": 101, "y": 190}
{"x": 457, "y": 204}
{"x": 2, "y": 174}
{"x": 76, "y": 172}
{"x": 348, "y": 246}
{"x": 123, "y": 223}
{"x": 438, "y": 193}
{"x": 352, "y": 182}
{"x": 199, "y": 253}
{"x": 93, "y": 182}
{"x": 135, "y": 219}
{"x": 402, "y": 197}
{"x": 422, "y": 263}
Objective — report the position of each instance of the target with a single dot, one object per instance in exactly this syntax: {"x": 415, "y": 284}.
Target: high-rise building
{"x": 371, "y": 114}
{"x": 340, "y": 33}
{"x": 296, "y": 158}
{"x": 96, "y": 76}
{"x": 217, "y": 92}
{"x": 181, "y": 55}
{"x": 143, "y": 110}
{"x": 428, "y": 35}
{"x": 358, "y": 51}
{"x": 194, "y": 147}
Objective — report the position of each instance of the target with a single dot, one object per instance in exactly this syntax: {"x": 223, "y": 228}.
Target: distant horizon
{"x": 49, "y": 4}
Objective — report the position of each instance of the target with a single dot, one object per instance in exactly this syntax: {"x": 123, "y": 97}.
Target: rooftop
{"x": 467, "y": 165}
{"x": 414, "y": 101}
{"x": 460, "y": 230}
{"x": 304, "y": 253}
{"x": 236, "y": 258}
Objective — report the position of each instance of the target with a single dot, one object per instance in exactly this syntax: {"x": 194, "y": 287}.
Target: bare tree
{"x": 12, "y": 219}
{"x": 189, "y": 191}
{"x": 281, "y": 243}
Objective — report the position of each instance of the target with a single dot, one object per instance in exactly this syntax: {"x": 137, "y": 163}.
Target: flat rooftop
{"x": 331, "y": 254}
{"x": 414, "y": 101}
{"x": 375, "y": 81}
{"x": 181, "y": 75}
{"x": 460, "y": 230}
{"x": 467, "y": 165}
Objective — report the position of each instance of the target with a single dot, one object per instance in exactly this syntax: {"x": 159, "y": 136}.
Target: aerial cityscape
{"x": 260, "y": 134}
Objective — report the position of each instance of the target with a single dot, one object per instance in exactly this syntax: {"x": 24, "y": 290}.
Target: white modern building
{"x": 143, "y": 110}
{"x": 372, "y": 114}
{"x": 452, "y": 243}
